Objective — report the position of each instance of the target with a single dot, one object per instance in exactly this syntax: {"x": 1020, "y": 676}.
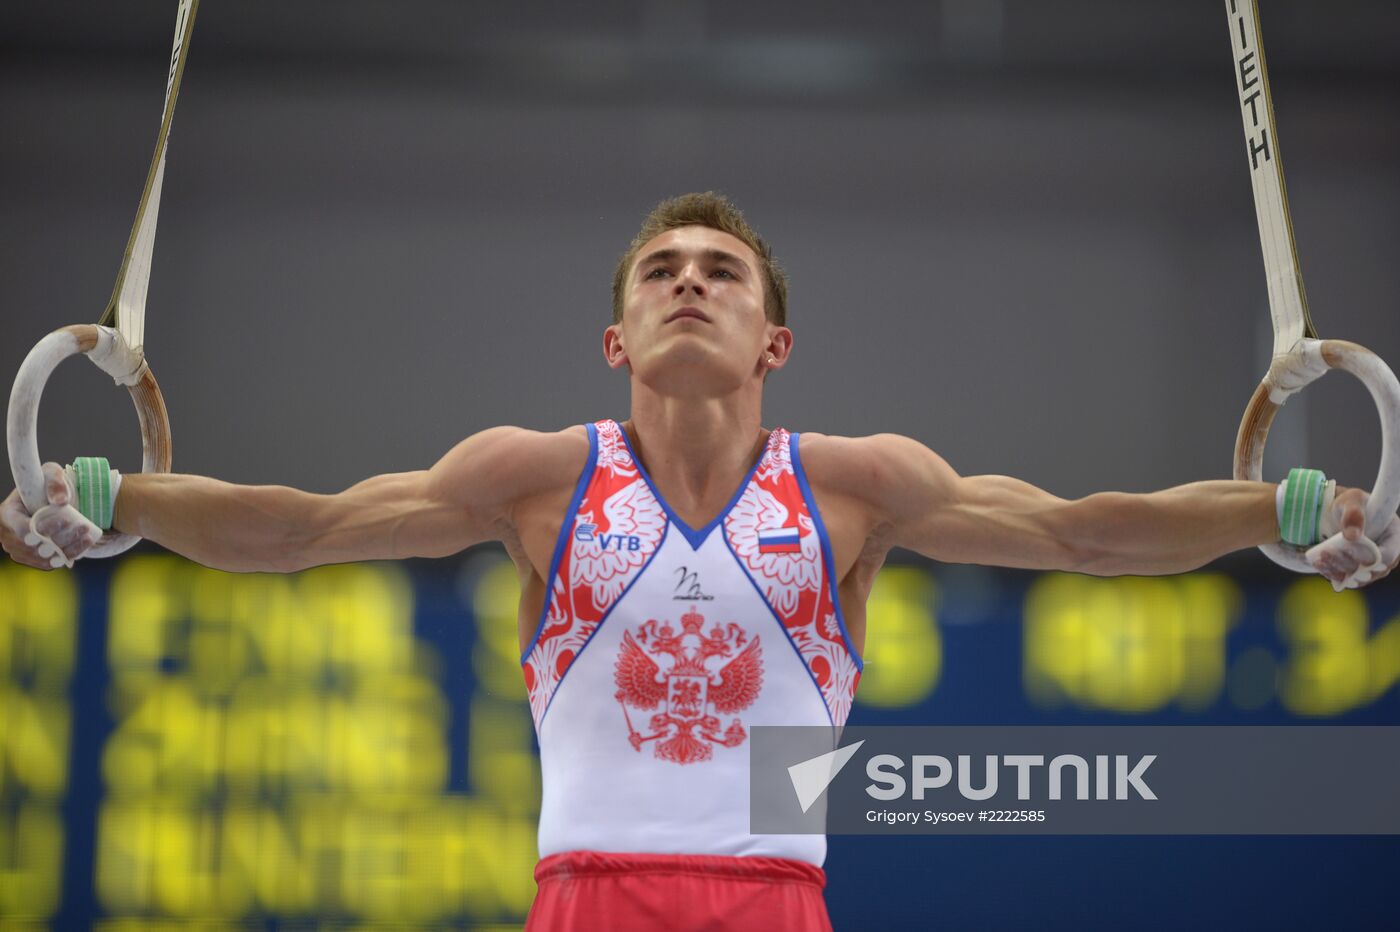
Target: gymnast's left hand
{"x": 1346, "y": 556}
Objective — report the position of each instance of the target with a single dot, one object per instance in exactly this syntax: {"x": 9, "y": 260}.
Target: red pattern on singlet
{"x": 796, "y": 585}
{"x": 588, "y": 583}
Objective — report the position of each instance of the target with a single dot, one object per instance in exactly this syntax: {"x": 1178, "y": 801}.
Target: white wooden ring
{"x": 21, "y": 427}
{"x": 1270, "y": 396}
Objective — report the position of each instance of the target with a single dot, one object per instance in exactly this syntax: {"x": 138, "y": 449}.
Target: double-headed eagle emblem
{"x": 687, "y": 673}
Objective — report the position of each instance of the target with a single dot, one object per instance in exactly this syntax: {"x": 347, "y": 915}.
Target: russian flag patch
{"x": 779, "y": 540}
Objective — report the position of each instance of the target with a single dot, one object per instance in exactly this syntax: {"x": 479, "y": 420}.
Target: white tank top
{"x": 660, "y": 646}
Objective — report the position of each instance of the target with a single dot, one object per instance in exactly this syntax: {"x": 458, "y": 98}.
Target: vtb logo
{"x": 587, "y": 534}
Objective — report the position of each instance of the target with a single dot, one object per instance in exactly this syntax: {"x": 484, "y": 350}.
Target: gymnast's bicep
{"x": 468, "y": 497}
{"x": 991, "y": 520}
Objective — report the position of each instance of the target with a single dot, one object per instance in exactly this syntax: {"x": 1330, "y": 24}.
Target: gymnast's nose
{"x": 689, "y": 279}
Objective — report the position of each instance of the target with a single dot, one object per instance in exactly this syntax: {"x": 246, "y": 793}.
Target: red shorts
{"x": 590, "y": 890}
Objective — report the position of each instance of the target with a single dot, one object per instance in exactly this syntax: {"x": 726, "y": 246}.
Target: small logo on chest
{"x": 687, "y": 673}
{"x": 588, "y": 534}
{"x": 688, "y": 587}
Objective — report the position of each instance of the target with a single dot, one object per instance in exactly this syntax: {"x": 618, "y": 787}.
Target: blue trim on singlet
{"x": 599, "y": 626}
{"x": 693, "y": 537}
{"x": 566, "y": 531}
{"x": 827, "y": 559}
{"x": 744, "y": 571}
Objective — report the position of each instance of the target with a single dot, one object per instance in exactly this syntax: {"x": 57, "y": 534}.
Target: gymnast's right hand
{"x": 56, "y": 535}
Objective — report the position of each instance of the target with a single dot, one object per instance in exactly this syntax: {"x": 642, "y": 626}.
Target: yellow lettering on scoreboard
{"x": 1129, "y": 644}
{"x": 281, "y": 749}
{"x": 33, "y": 742}
{"x": 501, "y": 759}
{"x": 38, "y": 626}
{"x": 31, "y": 860}
{"x": 410, "y": 858}
{"x": 329, "y": 624}
{"x": 496, "y": 604}
{"x": 903, "y": 650}
{"x": 1334, "y": 663}
{"x": 38, "y": 618}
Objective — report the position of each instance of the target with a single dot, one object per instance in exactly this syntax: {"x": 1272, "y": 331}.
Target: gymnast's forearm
{"x": 271, "y": 529}
{"x": 1171, "y": 531}
{"x": 218, "y": 524}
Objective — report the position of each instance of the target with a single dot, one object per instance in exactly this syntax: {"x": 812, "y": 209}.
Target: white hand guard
{"x": 58, "y": 531}
{"x": 1364, "y": 557}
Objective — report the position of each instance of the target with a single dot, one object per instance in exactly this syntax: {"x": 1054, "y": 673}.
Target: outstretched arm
{"x": 995, "y": 520}
{"x": 466, "y": 498}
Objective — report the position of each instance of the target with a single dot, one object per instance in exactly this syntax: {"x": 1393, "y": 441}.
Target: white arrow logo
{"x": 811, "y": 777}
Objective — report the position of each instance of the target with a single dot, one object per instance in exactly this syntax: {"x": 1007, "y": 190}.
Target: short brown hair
{"x": 713, "y": 210}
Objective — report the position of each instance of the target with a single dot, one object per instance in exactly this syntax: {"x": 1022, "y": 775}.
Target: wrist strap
{"x": 1300, "y": 500}
{"x": 92, "y": 481}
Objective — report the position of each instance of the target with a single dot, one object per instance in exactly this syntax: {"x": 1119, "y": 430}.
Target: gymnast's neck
{"x": 697, "y": 446}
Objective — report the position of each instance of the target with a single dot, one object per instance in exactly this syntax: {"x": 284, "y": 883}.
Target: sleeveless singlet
{"x": 660, "y": 646}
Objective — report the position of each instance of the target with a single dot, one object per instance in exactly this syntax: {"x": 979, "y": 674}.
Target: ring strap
{"x": 1301, "y": 511}
{"x": 92, "y": 480}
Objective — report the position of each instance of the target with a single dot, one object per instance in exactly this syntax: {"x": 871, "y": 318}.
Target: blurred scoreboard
{"x": 351, "y": 747}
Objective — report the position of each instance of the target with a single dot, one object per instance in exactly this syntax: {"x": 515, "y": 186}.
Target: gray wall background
{"x": 1020, "y": 232}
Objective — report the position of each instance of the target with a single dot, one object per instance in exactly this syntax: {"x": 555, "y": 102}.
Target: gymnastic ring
{"x": 1284, "y": 377}
{"x": 109, "y": 352}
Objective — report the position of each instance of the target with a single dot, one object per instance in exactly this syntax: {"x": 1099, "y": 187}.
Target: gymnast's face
{"x": 692, "y": 316}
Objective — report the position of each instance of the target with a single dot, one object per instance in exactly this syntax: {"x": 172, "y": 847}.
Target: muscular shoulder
{"x": 883, "y": 471}
{"x": 506, "y": 465}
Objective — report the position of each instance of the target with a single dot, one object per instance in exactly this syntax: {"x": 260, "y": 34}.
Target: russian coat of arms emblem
{"x": 692, "y": 677}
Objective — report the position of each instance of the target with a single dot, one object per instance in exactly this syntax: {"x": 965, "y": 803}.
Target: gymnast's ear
{"x": 778, "y": 347}
{"x": 613, "y": 351}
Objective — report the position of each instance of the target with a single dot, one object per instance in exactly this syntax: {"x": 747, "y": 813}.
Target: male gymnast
{"x": 688, "y": 574}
